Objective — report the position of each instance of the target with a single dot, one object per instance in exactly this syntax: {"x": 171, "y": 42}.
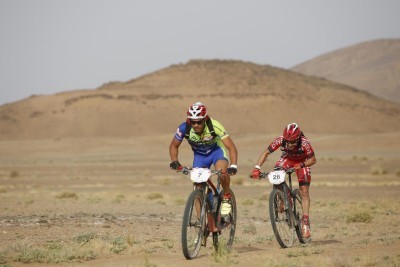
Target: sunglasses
{"x": 196, "y": 122}
{"x": 291, "y": 142}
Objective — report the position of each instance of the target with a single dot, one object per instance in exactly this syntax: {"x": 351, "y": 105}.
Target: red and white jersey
{"x": 300, "y": 153}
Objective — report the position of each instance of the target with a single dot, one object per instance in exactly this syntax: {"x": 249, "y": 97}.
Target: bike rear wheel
{"x": 298, "y": 210}
{"x": 224, "y": 238}
{"x": 193, "y": 224}
{"x": 280, "y": 219}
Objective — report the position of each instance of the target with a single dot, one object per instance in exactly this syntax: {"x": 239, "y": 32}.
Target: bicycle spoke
{"x": 281, "y": 225}
{"x": 193, "y": 225}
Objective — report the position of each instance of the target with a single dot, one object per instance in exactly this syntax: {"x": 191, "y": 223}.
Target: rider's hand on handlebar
{"x": 175, "y": 165}
{"x": 255, "y": 174}
{"x": 232, "y": 170}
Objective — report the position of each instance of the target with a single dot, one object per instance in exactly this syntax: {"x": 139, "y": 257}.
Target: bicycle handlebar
{"x": 265, "y": 174}
{"x": 186, "y": 171}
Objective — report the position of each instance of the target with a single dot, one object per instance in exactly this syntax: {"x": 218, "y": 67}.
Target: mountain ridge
{"x": 245, "y": 97}
{"x": 373, "y": 66}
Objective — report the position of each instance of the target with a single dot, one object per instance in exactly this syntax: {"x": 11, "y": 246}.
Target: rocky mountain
{"x": 245, "y": 97}
{"x": 372, "y": 66}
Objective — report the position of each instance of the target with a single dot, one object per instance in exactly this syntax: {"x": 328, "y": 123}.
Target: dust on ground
{"x": 114, "y": 202}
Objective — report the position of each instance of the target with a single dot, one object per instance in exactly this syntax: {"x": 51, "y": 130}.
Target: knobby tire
{"x": 193, "y": 225}
{"x": 280, "y": 219}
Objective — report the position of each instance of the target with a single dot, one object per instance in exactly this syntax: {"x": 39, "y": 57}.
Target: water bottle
{"x": 211, "y": 199}
{"x": 215, "y": 204}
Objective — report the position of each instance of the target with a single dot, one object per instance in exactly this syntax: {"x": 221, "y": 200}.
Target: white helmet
{"x": 197, "y": 111}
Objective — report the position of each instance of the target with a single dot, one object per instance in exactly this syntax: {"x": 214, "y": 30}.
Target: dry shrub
{"x": 359, "y": 217}
{"x": 264, "y": 197}
{"x": 378, "y": 170}
{"x": 250, "y": 229}
{"x": 248, "y": 202}
{"x": 14, "y": 174}
{"x": 155, "y": 195}
{"x": 67, "y": 195}
{"x": 224, "y": 255}
{"x": 237, "y": 181}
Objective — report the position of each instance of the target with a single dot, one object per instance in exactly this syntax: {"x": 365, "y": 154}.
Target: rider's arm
{"x": 263, "y": 157}
{"x": 310, "y": 161}
{"x": 233, "y": 154}
{"x": 174, "y": 149}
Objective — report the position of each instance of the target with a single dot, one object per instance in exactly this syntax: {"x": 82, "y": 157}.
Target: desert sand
{"x": 115, "y": 202}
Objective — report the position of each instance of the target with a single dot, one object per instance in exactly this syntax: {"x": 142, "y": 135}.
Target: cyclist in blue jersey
{"x": 211, "y": 145}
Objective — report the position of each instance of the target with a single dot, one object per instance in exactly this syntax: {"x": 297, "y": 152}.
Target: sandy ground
{"x": 114, "y": 202}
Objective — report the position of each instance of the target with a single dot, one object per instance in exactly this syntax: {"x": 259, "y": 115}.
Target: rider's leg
{"x": 224, "y": 177}
{"x": 304, "y": 177}
{"x": 305, "y": 196}
{"x": 222, "y": 164}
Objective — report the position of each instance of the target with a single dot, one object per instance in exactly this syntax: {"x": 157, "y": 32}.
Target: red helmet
{"x": 291, "y": 132}
{"x": 197, "y": 111}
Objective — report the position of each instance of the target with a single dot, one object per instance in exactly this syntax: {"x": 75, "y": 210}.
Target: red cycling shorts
{"x": 303, "y": 174}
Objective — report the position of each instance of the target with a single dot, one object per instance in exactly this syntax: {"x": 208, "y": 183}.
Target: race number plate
{"x": 200, "y": 175}
{"x": 276, "y": 177}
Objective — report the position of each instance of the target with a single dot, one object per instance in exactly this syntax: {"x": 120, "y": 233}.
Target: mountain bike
{"x": 285, "y": 207}
{"x": 202, "y": 214}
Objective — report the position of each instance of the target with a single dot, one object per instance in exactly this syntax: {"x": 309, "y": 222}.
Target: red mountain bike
{"x": 285, "y": 208}
{"x": 202, "y": 214}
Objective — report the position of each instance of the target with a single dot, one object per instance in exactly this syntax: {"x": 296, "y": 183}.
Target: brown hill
{"x": 247, "y": 98}
{"x": 371, "y": 66}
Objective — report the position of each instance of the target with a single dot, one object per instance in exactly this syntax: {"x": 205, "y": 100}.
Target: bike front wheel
{"x": 280, "y": 219}
{"x": 193, "y": 224}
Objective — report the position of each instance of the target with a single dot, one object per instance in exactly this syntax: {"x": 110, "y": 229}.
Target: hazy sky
{"x": 49, "y": 46}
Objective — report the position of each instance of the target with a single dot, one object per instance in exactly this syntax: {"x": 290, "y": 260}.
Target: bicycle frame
{"x": 285, "y": 219}
{"x": 205, "y": 187}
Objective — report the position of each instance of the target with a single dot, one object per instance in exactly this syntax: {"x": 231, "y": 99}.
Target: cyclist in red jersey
{"x": 297, "y": 153}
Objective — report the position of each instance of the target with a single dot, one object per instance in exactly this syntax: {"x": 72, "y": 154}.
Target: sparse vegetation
{"x": 84, "y": 238}
{"x": 67, "y": 195}
{"x": 86, "y": 206}
{"x": 224, "y": 255}
{"x": 180, "y": 201}
{"x": 248, "y": 202}
{"x": 237, "y": 181}
{"x": 378, "y": 170}
{"x": 165, "y": 181}
{"x": 249, "y": 229}
{"x": 359, "y": 217}
{"x": 14, "y": 174}
{"x": 119, "y": 198}
{"x": 86, "y": 246}
{"x": 155, "y": 195}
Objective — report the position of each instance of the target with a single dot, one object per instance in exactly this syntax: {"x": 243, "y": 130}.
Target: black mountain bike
{"x": 202, "y": 214}
{"x": 285, "y": 207}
